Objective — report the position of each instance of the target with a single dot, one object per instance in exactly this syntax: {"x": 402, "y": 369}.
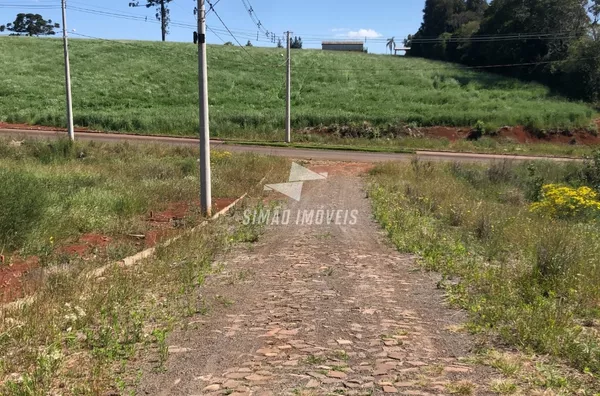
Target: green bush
{"x": 591, "y": 171}
{"x": 22, "y": 202}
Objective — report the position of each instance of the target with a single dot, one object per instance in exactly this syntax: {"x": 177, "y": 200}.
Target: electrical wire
{"x": 462, "y": 67}
{"x": 232, "y": 35}
{"x": 257, "y": 22}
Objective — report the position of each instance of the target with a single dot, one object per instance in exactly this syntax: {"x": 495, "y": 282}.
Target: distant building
{"x": 357, "y": 46}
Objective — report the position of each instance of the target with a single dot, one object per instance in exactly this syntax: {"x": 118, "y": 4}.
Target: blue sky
{"x": 313, "y": 20}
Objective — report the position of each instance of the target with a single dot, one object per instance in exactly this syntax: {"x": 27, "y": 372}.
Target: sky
{"x": 313, "y": 20}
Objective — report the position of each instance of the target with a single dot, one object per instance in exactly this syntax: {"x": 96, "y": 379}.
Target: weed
{"x": 160, "y": 337}
{"x": 503, "y": 386}
{"x": 465, "y": 388}
{"x": 315, "y": 360}
{"x": 224, "y": 301}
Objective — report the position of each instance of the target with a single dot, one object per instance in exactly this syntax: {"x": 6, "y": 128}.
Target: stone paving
{"x": 321, "y": 309}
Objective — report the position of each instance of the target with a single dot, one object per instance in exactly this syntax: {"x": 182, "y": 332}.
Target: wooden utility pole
{"x": 288, "y": 93}
{"x": 70, "y": 127}
{"x": 205, "y": 179}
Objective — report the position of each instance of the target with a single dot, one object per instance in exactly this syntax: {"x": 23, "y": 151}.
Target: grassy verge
{"x": 79, "y": 333}
{"x": 54, "y": 191}
{"x": 484, "y": 145}
{"x": 529, "y": 274}
{"x": 317, "y": 146}
{"x": 79, "y": 336}
{"x": 121, "y": 86}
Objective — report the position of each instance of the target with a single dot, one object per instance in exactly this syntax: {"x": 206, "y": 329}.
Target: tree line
{"x": 556, "y": 42}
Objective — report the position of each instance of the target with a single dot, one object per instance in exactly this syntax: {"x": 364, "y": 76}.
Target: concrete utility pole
{"x": 163, "y": 26}
{"x": 67, "y": 74}
{"x": 205, "y": 182}
{"x": 288, "y": 95}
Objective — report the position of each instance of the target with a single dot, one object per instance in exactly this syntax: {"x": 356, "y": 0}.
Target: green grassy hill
{"x": 152, "y": 87}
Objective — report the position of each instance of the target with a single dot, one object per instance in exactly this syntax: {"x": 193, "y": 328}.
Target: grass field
{"x": 152, "y": 88}
{"x": 520, "y": 253}
{"x": 55, "y": 191}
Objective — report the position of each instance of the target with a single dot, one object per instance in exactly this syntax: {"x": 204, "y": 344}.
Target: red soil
{"x": 154, "y": 237}
{"x": 521, "y": 135}
{"x": 5, "y": 125}
{"x": 11, "y": 277}
{"x": 517, "y": 134}
{"x": 175, "y": 211}
{"x": 452, "y": 134}
{"x": 221, "y": 203}
{"x": 85, "y": 244}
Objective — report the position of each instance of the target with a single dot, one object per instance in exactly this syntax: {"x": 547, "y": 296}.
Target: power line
{"x": 257, "y": 21}
{"x": 225, "y": 26}
{"x": 128, "y": 17}
{"x": 461, "y": 67}
{"x": 217, "y": 2}
{"x": 215, "y": 33}
{"x": 136, "y": 45}
{"x": 30, "y": 7}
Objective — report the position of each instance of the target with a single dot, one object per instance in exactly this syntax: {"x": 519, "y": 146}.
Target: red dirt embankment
{"x": 517, "y": 134}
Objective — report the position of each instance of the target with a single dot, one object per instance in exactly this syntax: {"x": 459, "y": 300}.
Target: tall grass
{"x": 151, "y": 87}
{"x": 54, "y": 191}
{"x": 81, "y": 330}
{"x": 530, "y": 279}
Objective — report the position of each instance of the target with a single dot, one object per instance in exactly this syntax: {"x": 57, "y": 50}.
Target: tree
{"x": 162, "y": 13}
{"x": 228, "y": 44}
{"x": 30, "y": 25}
{"x": 249, "y": 44}
{"x": 439, "y": 17}
{"x": 580, "y": 73}
{"x": 593, "y": 8}
{"x": 296, "y": 43}
{"x": 475, "y": 33}
{"x": 279, "y": 43}
{"x": 391, "y": 44}
{"x": 530, "y": 17}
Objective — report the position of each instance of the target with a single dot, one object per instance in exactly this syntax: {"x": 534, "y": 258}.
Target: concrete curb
{"x": 144, "y": 254}
{"x": 128, "y": 261}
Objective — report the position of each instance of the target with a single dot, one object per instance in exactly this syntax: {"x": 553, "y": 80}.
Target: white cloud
{"x": 361, "y": 34}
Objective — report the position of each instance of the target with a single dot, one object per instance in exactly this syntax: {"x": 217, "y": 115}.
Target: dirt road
{"x": 320, "y": 309}
{"x": 298, "y": 153}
